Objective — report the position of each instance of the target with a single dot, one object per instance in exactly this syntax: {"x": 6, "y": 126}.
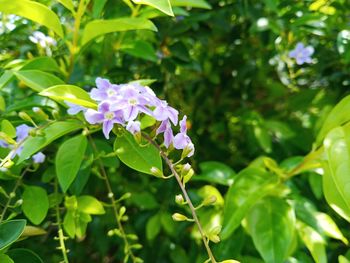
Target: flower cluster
{"x": 22, "y": 132}
{"x": 302, "y": 54}
{"x": 124, "y": 104}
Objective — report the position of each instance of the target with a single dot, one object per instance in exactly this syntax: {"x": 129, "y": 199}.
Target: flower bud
{"x": 210, "y": 200}
{"x": 179, "y": 199}
{"x": 179, "y": 217}
{"x": 24, "y": 116}
{"x": 40, "y": 113}
{"x": 185, "y": 169}
{"x": 156, "y": 172}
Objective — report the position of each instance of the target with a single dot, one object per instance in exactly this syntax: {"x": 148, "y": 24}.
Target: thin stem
{"x": 12, "y": 194}
{"x": 187, "y": 198}
{"x": 61, "y": 237}
{"x": 113, "y": 202}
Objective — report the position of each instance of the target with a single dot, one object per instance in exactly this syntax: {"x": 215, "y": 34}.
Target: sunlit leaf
{"x": 34, "y": 11}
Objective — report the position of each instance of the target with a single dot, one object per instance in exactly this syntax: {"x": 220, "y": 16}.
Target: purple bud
{"x": 39, "y": 157}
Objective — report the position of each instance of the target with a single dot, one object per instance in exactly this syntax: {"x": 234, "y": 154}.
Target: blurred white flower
{"x": 44, "y": 41}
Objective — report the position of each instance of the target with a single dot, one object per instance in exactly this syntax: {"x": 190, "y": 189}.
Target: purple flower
{"x": 104, "y": 115}
{"x": 39, "y": 157}
{"x": 163, "y": 112}
{"x": 182, "y": 140}
{"x": 22, "y": 132}
{"x": 165, "y": 127}
{"x": 74, "y": 108}
{"x": 105, "y": 90}
{"x": 131, "y": 103}
{"x": 302, "y": 54}
{"x": 133, "y": 126}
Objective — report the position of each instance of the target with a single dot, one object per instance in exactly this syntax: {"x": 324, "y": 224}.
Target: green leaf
{"x": 329, "y": 227}
{"x": 336, "y": 180}
{"x": 68, "y": 4}
{"x": 10, "y": 231}
{"x": 42, "y": 63}
{"x": 138, "y": 157}
{"x": 69, "y": 223}
{"x": 100, "y": 27}
{"x": 313, "y": 241}
{"x": 38, "y": 80}
{"x": 34, "y": 210}
{"x": 338, "y": 116}
{"x": 69, "y": 93}
{"x": 5, "y": 259}
{"x": 215, "y": 172}
{"x": 271, "y": 223}
{"x": 30, "y": 102}
{"x": 51, "y": 133}
{"x": 153, "y": 227}
{"x": 68, "y": 160}
{"x": 8, "y": 128}
{"x": 2, "y": 103}
{"x": 343, "y": 259}
{"x": 140, "y": 49}
{"x": 34, "y": 11}
{"x": 162, "y": 5}
{"x": 21, "y": 255}
{"x": 250, "y": 186}
{"x": 90, "y": 205}
{"x": 191, "y": 3}
{"x": 5, "y": 78}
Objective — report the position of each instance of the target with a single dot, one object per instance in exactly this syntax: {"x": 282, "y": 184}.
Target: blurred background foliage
{"x": 226, "y": 66}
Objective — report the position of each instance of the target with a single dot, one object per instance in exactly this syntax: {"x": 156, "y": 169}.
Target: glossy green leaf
{"x": 10, "y": 231}
{"x": 271, "y": 223}
{"x": 250, "y": 186}
{"x": 215, "y": 172}
{"x": 35, "y": 211}
{"x": 34, "y": 11}
{"x": 313, "y": 241}
{"x": 153, "y": 227}
{"x": 329, "y": 227}
{"x": 191, "y": 3}
{"x": 43, "y": 64}
{"x": 69, "y": 93}
{"x": 5, "y": 259}
{"x": 30, "y": 102}
{"x": 162, "y": 5}
{"x": 90, "y": 205}
{"x": 336, "y": 180}
{"x": 138, "y": 157}
{"x": 21, "y": 255}
{"x": 335, "y": 118}
{"x": 69, "y": 223}
{"x": 68, "y": 4}
{"x": 38, "y": 80}
{"x": 68, "y": 160}
{"x": 51, "y": 133}
{"x": 100, "y": 27}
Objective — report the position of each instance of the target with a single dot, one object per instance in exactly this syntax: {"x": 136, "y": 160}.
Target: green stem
{"x": 187, "y": 198}
{"x": 61, "y": 237}
{"x": 73, "y": 48}
{"x": 12, "y": 194}
{"x": 113, "y": 203}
